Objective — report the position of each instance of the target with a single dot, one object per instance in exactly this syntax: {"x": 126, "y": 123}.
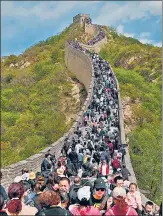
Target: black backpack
{"x": 73, "y": 195}
{"x": 96, "y": 156}
{"x": 89, "y": 146}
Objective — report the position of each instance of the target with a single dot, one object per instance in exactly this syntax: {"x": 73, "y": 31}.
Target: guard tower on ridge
{"x": 82, "y": 19}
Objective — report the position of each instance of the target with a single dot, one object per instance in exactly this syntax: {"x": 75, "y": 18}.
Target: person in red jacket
{"x": 116, "y": 164}
{"x": 111, "y": 148}
{"x": 104, "y": 169}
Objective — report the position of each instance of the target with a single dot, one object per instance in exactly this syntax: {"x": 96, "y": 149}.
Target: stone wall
{"x": 128, "y": 163}
{"x": 32, "y": 163}
{"x": 96, "y": 47}
{"x": 81, "y": 66}
{"x": 90, "y": 29}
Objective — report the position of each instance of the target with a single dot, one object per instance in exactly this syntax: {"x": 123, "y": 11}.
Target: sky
{"x": 25, "y": 23}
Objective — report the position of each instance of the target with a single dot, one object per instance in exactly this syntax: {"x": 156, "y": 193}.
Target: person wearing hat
{"x": 121, "y": 207}
{"x": 99, "y": 197}
{"x": 60, "y": 172}
{"x": 84, "y": 208}
{"x": 32, "y": 179}
{"x": 32, "y": 175}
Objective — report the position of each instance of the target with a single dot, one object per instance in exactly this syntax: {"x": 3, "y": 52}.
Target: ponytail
{"x": 14, "y": 206}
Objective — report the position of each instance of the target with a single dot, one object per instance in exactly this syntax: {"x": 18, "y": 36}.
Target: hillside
{"x": 138, "y": 69}
{"x": 39, "y": 97}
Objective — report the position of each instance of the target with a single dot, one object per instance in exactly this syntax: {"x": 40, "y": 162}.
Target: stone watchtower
{"x": 85, "y": 21}
{"x": 82, "y": 19}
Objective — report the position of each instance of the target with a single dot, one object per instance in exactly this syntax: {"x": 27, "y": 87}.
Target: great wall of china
{"x": 79, "y": 64}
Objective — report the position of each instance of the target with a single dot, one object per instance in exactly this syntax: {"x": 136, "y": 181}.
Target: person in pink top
{"x": 134, "y": 198}
{"x": 84, "y": 208}
{"x": 121, "y": 208}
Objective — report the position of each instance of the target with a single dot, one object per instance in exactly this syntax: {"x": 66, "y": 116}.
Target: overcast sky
{"x": 24, "y": 23}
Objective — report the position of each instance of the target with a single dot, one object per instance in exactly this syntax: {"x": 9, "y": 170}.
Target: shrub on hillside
{"x": 12, "y": 59}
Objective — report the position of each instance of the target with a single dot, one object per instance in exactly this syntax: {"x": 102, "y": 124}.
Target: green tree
{"x": 11, "y": 59}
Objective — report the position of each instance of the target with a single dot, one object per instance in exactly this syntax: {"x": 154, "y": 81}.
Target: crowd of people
{"x": 90, "y": 176}
{"x": 101, "y": 34}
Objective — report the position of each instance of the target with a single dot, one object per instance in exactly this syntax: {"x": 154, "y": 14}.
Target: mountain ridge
{"x": 135, "y": 76}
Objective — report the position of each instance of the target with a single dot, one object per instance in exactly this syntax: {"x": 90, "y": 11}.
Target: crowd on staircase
{"x": 101, "y": 34}
{"x": 90, "y": 176}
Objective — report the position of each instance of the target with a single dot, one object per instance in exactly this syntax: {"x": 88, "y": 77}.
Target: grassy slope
{"x": 36, "y": 100}
{"x": 138, "y": 69}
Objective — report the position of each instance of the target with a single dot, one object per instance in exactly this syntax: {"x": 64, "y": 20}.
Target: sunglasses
{"x": 100, "y": 189}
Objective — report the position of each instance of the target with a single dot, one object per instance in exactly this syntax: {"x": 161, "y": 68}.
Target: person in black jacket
{"x": 74, "y": 189}
{"x": 74, "y": 159}
{"x": 125, "y": 172}
{"x": 148, "y": 210}
{"x": 46, "y": 165}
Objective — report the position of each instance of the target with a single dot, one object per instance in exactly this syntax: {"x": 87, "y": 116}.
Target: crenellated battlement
{"x": 82, "y": 19}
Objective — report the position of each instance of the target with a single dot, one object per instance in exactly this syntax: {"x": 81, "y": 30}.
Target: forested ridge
{"x": 32, "y": 100}
{"x": 138, "y": 69}
{"x": 36, "y": 101}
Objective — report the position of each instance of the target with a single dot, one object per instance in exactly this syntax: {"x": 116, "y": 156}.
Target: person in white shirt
{"x": 78, "y": 146}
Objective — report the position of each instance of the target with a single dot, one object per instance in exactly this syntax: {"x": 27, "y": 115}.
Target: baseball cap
{"x": 119, "y": 192}
{"x": 99, "y": 183}
{"x": 84, "y": 192}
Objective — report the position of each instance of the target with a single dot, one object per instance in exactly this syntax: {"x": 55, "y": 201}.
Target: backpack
{"x": 85, "y": 159}
{"x": 97, "y": 156}
{"x": 116, "y": 164}
{"x": 73, "y": 195}
{"x": 110, "y": 146}
{"x": 103, "y": 156}
{"x": 70, "y": 172}
{"x": 89, "y": 146}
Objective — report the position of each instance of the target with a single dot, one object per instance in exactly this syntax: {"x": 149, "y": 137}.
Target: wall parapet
{"x": 85, "y": 74}
{"x": 128, "y": 163}
{"x": 80, "y": 64}
{"x": 96, "y": 47}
